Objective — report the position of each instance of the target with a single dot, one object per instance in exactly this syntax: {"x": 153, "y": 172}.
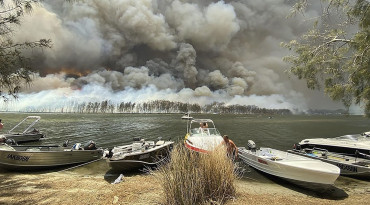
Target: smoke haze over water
{"x": 189, "y": 51}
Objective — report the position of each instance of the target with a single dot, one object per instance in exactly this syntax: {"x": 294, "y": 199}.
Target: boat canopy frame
{"x": 37, "y": 118}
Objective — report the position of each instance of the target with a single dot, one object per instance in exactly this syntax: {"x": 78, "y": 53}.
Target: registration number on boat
{"x": 347, "y": 167}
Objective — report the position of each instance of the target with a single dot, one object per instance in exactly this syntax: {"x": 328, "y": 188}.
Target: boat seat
{"x": 267, "y": 155}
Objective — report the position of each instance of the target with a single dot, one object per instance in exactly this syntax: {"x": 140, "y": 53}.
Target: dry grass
{"x": 72, "y": 187}
{"x": 193, "y": 178}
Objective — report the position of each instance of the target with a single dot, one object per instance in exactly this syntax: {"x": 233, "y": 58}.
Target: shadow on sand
{"x": 331, "y": 192}
{"x": 111, "y": 175}
{"x": 12, "y": 187}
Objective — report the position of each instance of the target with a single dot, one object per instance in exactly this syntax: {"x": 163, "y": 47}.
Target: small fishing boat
{"x": 300, "y": 170}
{"x": 28, "y": 135}
{"x": 138, "y": 155}
{"x": 187, "y": 116}
{"x": 346, "y": 144}
{"x": 36, "y": 157}
{"x": 349, "y": 165}
{"x": 202, "y": 136}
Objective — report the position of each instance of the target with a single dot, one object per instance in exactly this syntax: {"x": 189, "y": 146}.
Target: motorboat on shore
{"x": 349, "y": 165}
{"x": 30, "y": 134}
{"x": 346, "y": 144}
{"x": 202, "y": 138}
{"x": 187, "y": 116}
{"x": 138, "y": 155}
{"x": 310, "y": 173}
{"x": 37, "y": 157}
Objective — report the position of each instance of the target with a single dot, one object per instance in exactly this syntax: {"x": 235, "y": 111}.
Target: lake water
{"x": 108, "y": 130}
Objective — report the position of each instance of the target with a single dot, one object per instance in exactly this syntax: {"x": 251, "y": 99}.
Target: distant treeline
{"x": 161, "y": 106}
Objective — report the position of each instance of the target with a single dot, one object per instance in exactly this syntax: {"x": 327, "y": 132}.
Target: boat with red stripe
{"x": 202, "y": 136}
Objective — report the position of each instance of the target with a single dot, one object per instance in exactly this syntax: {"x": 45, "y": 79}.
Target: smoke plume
{"x": 199, "y": 51}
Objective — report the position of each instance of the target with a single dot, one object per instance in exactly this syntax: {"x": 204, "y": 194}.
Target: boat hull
{"x": 347, "y": 165}
{"x": 22, "y": 138}
{"x": 36, "y": 160}
{"x": 141, "y": 159}
{"x": 306, "y": 172}
{"x": 202, "y": 144}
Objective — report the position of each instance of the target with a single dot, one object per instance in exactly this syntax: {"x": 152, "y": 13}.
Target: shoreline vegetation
{"x": 195, "y": 178}
{"x": 158, "y": 106}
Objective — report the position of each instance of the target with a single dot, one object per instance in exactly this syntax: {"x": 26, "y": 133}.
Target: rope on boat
{"x": 80, "y": 165}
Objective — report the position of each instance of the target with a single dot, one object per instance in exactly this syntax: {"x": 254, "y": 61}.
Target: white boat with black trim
{"x": 346, "y": 144}
{"x": 139, "y": 154}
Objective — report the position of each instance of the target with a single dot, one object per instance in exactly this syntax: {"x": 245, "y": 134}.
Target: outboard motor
{"x": 251, "y": 145}
{"x": 10, "y": 142}
{"x": 65, "y": 144}
{"x": 90, "y": 145}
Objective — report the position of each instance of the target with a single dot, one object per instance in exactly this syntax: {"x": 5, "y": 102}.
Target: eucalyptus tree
{"x": 15, "y": 69}
{"x": 335, "y": 52}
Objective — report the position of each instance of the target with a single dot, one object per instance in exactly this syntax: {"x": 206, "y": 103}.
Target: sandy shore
{"x": 73, "y": 187}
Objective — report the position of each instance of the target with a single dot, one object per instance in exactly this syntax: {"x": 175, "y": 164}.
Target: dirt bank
{"x": 70, "y": 187}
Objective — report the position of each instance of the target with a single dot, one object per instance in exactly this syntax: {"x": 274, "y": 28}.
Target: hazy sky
{"x": 190, "y": 51}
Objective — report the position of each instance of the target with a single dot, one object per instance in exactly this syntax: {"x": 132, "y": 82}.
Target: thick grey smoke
{"x": 203, "y": 51}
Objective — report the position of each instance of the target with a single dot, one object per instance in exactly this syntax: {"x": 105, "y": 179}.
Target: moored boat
{"x": 36, "y": 157}
{"x": 346, "y": 144}
{"x": 349, "y": 165}
{"x": 29, "y": 134}
{"x": 187, "y": 116}
{"x": 300, "y": 170}
{"x": 202, "y": 136}
{"x": 138, "y": 155}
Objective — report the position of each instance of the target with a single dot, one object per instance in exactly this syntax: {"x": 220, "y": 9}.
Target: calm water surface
{"x": 108, "y": 130}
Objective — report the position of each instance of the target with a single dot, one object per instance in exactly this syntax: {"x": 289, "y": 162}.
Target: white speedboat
{"x": 35, "y": 157}
{"x": 28, "y": 135}
{"x": 202, "y": 136}
{"x": 349, "y": 166}
{"x": 346, "y": 144}
{"x": 301, "y": 170}
{"x": 139, "y": 154}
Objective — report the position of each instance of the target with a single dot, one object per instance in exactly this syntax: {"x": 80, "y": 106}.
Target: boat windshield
{"x": 204, "y": 131}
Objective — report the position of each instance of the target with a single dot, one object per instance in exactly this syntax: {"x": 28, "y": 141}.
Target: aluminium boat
{"x": 202, "y": 136}
{"x": 37, "y": 157}
{"x": 139, "y": 154}
{"x": 28, "y": 135}
{"x": 346, "y": 144}
{"x": 349, "y": 165}
{"x": 310, "y": 173}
